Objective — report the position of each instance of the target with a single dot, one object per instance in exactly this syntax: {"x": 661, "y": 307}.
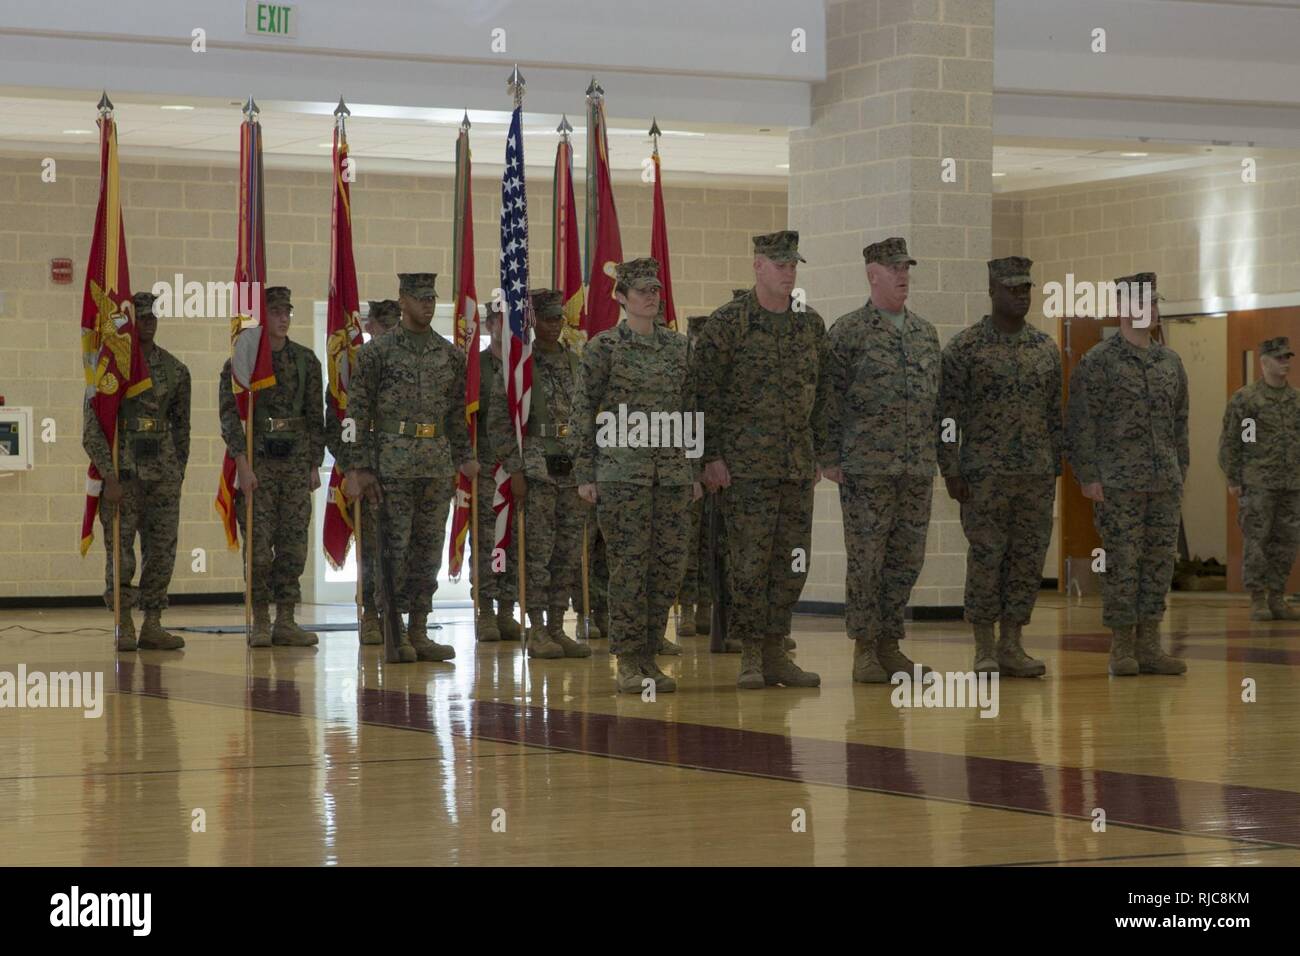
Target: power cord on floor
{"x": 75, "y": 630}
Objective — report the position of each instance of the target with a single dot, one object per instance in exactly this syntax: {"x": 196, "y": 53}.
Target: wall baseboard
{"x": 91, "y": 600}
{"x": 920, "y": 613}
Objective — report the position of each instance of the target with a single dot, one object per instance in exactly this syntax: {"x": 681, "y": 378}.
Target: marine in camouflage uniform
{"x": 542, "y": 481}
{"x": 494, "y": 623}
{"x": 153, "y": 448}
{"x": 885, "y": 414}
{"x": 1127, "y": 442}
{"x": 1259, "y": 451}
{"x": 1000, "y": 445}
{"x": 382, "y": 318}
{"x": 696, "y": 593}
{"x": 762, "y": 389}
{"x": 642, "y": 493}
{"x": 408, "y": 402}
{"x": 288, "y": 448}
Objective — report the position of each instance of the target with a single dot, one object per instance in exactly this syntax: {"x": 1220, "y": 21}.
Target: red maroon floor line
{"x": 1249, "y": 814}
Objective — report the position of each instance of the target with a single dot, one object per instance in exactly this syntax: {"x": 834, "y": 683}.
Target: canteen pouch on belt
{"x": 278, "y": 449}
{"x": 558, "y": 466}
{"x": 145, "y": 449}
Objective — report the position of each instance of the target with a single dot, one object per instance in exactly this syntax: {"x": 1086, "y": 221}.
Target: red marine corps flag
{"x": 659, "y": 238}
{"x": 250, "y": 351}
{"x": 110, "y": 350}
{"x": 607, "y": 251}
{"x": 465, "y": 505}
{"x": 566, "y": 268}
{"x": 342, "y": 336}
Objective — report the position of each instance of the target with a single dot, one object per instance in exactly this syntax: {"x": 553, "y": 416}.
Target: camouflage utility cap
{"x": 385, "y": 311}
{"x": 888, "y": 252}
{"x": 1011, "y": 271}
{"x": 547, "y": 303}
{"x": 1142, "y": 279}
{"x": 143, "y": 302}
{"x": 279, "y": 297}
{"x": 1279, "y": 347}
{"x": 418, "y": 285}
{"x": 639, "y": 274}
{"x": 780, "y": 246}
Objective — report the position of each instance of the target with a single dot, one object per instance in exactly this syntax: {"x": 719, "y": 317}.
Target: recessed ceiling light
{"x": 77, "y": 132}
{"x": 782, "y": 165}
{"x": 999, "y": 174}
{"x": 177, "y": 107}
{"x": 325, "y": 145}
{"x": 1134, "y": 155}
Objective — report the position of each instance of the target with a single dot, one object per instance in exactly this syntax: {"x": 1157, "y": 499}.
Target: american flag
{"x": 517, "y": 358}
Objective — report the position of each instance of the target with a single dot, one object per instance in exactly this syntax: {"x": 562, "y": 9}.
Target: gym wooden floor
{"x": 300, "y": 756}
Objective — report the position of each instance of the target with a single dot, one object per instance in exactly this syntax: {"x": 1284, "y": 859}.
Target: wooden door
{"x": 1078, "y": 534}
{"x": 1245, "y": 331}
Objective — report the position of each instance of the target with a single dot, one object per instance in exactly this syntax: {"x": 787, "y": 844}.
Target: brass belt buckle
{"x": 278, "y": 424}
{"x": 146, "y": 425}
{"x": 561, "y": 431}
{"x": 425, "y": 431}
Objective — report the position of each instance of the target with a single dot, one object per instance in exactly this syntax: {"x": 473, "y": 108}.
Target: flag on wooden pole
{"x": 110, "y": 349}
{"x": 342, "y": 337}
{"x": 466, "y": 334}
{"x": 250, "y": 350}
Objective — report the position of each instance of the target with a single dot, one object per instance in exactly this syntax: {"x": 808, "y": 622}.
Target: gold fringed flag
{"x": 659, "y": 242}
{"x": 343, "y": 338}
{"x": 607, "y": 250}
{"x": 250, "y": 350}
{"x": 467, "y": 333}
{"x": 110, "y": 349}
{"x": 566, "y": 269}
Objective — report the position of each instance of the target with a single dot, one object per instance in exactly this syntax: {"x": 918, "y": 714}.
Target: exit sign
{"x": 271, "y": 19}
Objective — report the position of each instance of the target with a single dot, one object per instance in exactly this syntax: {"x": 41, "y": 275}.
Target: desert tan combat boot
{"x": 788, "y": 643}
{"x": 485, "y": 627}
{"x": 892, "y": 659}
{"x": 703, "y": 618}
{"x": 555, "y": 630}
{"x": 372, "y": 632}
{"x": 779, "y": 669}
{"x": 687, "y": 626}
{"x": 1280, "y": 610}
{"x": 153, "y": 636}
{"x": 540, "y": 643}
{"x": 261, "y": 636}
{"x": 866, "y": 665}
{"x": 1151, "y": 657}
{"x": 405, "y": 652}
{"x": 732, "y": 645}
{"x": 1259, "y": 609}
{"x": 986, "y": 661}
{"x": 630, "y": 674}
{"x": 1123, "y": 655}
{"x": 287, "y": 631}
{"x": 664, "y": 684}
{"x": 126, "y": 632}
{"x": 1012, "y": 659}
{"x": 417, "y": 632}
{"x": 751, "y": 666}
{"x": 668, "y": 648}
{"x": 506, "y": 622}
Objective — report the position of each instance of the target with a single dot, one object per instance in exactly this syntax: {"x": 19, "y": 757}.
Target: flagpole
{"x": 105, "y": 116}
{"x": 361, "y": 564}
{"x": 250, "y": 113}
{"x": 516, "y": 88}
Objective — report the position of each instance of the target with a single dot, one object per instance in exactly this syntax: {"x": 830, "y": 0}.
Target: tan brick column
{"x": 909, "y": 84}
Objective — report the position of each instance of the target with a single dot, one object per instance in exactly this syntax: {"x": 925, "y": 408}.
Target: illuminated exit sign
{"x": 271, "y": 19}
